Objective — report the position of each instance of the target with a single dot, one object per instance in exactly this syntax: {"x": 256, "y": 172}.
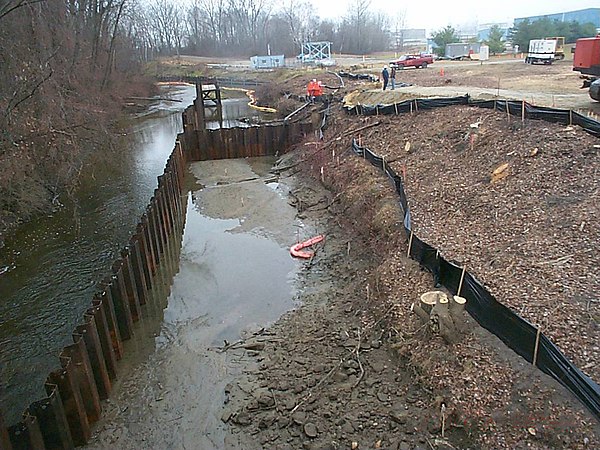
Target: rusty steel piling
{"x": 89, "y": 334}
{"x": 137, "y": 286}
{"x": 26, "y": 434}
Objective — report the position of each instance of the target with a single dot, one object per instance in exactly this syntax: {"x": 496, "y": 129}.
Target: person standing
{"x": 393, "y": 77}
{"x": 385, "y": 75}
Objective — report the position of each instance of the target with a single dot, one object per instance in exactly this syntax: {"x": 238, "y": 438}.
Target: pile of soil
{"x": 355, "y": 368}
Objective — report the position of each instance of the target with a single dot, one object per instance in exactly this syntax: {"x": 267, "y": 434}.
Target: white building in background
{"x": 409, "y": 38}
{"x": 267, "y": 62}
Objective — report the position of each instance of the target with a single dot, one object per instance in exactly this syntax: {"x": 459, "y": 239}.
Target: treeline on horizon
{"x": 243, "y": 28}
{"x": 65, "y": 67}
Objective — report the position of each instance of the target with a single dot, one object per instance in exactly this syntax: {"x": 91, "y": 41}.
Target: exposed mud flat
{"x": 234, "y": 277}
{"x": 353, "y": 367}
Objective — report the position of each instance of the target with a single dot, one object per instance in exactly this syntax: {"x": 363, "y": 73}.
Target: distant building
{"x": 483, "y": 33}
{"x": 267, "y": 62}
{"x": 589, "y": 15}
{"x": 410, "y": 38}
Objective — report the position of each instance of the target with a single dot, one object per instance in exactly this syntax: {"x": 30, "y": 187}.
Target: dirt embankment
{"x": 354, "y": 368}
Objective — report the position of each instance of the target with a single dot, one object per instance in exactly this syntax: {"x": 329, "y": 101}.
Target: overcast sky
{"x": 436, "y": 14}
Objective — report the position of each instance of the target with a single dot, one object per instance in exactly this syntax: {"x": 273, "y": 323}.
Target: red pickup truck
{"x": 412, "y": 61}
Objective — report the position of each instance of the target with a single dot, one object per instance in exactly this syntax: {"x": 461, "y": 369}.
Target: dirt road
{"x": 553, "y": 86}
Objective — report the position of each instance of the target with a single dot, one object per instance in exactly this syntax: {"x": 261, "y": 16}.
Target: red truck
{"x": 412, "y": 61}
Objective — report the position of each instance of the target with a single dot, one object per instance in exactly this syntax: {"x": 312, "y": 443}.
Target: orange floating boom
{"x": 296, "y": 249}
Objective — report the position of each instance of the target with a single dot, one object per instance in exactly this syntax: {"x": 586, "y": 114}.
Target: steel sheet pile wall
{"x": 518, "y": 334}
{"x": 89, "y": 366}
{"x": 201, "y": 144}
{"x": 265, "y": 140}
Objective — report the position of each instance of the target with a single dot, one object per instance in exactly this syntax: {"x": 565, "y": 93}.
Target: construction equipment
{"x": 541, "y": 51}
{"x": 587, "y": 61}
{"x": 559, "y": 51}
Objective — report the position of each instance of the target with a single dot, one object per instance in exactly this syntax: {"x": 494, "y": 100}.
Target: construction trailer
{"x": 267, "y": 62}
{"x": 587, "y": 62}
{"x": 461, "y": 50}
{"x": 541, "y": 51}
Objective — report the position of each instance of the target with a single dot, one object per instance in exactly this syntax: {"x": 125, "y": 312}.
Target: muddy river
{"x": 235, "y": 276}
{"x": 49, "y": 270}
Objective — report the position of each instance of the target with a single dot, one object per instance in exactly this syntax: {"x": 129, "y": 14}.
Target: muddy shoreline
{"x": 352, "y": 367}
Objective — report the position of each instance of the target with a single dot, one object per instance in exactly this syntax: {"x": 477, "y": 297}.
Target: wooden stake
{"x": 411, "y": 108}
{"x": 416, "y": 106}
{"x": 443, "y": 419}
{"x": 396, "y": 108}
{"x": 377, "y": 109}
{"x": 507, "y": 111}
{"x": 409, "y": 243}
{"x": 523, "y": 111}
{"x": 537, "y": 343}
{"x": 348, "y": 250}
{"x": 462, "y": 277}
{"x": 322, "y": 175}
{"x": 570, "y": 117}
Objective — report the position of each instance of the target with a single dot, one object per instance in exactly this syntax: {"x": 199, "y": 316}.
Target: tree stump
{"x": 443, "y": 314}
{"x": 457, "y": 311}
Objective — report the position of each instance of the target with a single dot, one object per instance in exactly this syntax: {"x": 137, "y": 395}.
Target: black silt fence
{"x": 517, "y": 108}
{"x": 513, "y": 330}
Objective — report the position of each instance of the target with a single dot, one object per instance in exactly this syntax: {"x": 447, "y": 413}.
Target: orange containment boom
{"x": 296, "y": 250}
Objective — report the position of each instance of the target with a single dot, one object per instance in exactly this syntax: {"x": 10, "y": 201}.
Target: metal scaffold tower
{"x": 316, "y": 51}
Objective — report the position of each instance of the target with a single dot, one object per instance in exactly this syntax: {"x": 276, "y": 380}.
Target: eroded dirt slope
{"x": 357, "y": 368}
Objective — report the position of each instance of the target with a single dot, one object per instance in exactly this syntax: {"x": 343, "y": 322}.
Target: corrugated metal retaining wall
{"x": 89, "y": 366}
{"x": 201, "y": 144}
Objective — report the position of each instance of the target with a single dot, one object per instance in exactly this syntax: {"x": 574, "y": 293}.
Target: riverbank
{"x": 355, "y": 368}
{"x": 42, "y": 158}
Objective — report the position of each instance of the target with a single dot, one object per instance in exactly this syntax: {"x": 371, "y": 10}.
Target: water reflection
{"x": 55, "y": 263}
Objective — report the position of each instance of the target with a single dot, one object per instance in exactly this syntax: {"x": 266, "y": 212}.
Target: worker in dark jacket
{"x": 385, "y": 75}
{"x": 393, "y": 77}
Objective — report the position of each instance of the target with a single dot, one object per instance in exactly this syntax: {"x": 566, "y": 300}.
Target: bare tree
{"x": 357, "y": 17}
{"x": 301, "y": 20}
{"x": 399, "y": 29}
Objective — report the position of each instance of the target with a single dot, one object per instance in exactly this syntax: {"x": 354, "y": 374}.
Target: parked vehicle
{"x": 541, "y": 51}
{"x": 421, "y": 61}
{"x": 559, "y": 52}
{"x": 587, "y": 61}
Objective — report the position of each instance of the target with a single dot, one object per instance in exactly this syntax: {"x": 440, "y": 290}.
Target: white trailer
{"x": 541, "y": 51}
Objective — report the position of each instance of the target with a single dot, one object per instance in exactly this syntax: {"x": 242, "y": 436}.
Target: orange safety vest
{"x": 318, "y": 89}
